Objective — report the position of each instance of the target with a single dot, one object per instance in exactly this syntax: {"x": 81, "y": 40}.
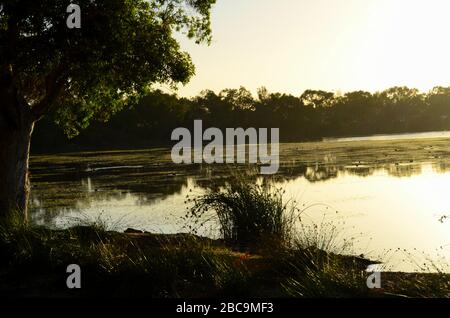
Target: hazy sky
{"x": 337, "y": 45}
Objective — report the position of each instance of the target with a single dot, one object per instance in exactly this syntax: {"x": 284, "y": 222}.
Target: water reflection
{"x": 395, "y": 202}
{"x": 69, "y": 189}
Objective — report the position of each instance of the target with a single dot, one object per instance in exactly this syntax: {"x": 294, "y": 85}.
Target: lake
{"x": 388, "y": 196}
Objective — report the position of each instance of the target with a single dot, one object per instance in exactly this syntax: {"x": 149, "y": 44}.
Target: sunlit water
{"x": 405, "y": 136}
{"x": 392, "y": 212}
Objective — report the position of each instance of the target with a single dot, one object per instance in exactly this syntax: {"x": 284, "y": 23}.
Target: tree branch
{"x": 54, "y": 83}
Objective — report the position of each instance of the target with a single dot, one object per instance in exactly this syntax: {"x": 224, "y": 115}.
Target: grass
{"x": 250, "y": 215}
{"x": 117, "y": 264}
{"x": 262, "y": 254}
{"x": 320, "y": 265}
{"x": 34, "y": 261}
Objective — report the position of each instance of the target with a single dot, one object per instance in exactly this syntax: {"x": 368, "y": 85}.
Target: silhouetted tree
{"x": 395, "y": 110}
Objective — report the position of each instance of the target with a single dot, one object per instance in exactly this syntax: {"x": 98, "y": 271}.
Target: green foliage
{"x": 121, "y": 48}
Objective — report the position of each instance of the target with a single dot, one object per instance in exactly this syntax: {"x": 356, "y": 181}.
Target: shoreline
{"x": 109, "y": 264}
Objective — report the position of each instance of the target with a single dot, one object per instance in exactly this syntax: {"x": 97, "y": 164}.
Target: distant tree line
{"x": 313, "y": 115}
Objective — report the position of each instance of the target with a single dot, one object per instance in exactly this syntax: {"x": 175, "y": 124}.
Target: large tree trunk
{"x": 16, "y": 126}
{"x": 14, "y": 181}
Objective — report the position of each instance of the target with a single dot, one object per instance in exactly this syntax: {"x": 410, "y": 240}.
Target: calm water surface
{"x": 390, "y": 197}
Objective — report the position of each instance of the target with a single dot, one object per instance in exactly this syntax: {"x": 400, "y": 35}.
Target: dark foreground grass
{"x": 33, "y": 262}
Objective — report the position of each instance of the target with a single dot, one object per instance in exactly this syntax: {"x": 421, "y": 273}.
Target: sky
{"x": 289, "y": 46}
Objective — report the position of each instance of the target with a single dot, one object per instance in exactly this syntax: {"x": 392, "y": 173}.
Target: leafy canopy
{"x": 122, "y": 47}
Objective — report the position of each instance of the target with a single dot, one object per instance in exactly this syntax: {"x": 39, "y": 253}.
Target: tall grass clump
{"x": 317, "y": 265}
{"x": 248, "y": 214}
